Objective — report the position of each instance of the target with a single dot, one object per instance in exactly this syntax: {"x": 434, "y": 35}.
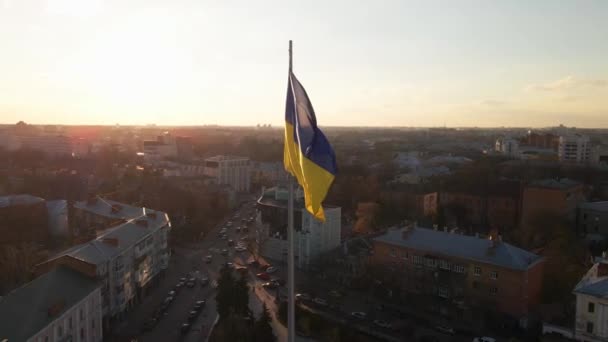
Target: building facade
{"x": 455, "y": 274}
{"x": 58, "y": 306}
{"x": 574, "y": 149}
{"x": 312, "y": 238}
{"x": 230, "y": 170}
{"x": 126, "y": 258}
{"x": 592, "y": 304}
{"x": 592, "y": 220}
{"x": 551, "y": 196}
{"x": 508, "y": 147}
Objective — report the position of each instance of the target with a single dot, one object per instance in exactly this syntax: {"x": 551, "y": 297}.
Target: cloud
{"x": 567, "y": 83}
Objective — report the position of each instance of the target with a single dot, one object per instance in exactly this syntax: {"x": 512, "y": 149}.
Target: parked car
{"x": 320, "y": 301}
{"x": 271, "y": 269}
{"x": 230, "y": 242}
{"x": 303, "y": 296}
{"x": 208, "y": 259}
{"x": 279, "y": 281}
{"x": 484, "y": 339}
{"x": 184, "y": 328}
{"x": 190, "y": 283}
{"x": 358, "y": 315}
{"x": 204, "y": 281}
{"x": 171, "y": 293}
{"x": 192, "y": 316}
{"x": 199, "y": 305}
{"x": 263, "y": 276}
{"x": 182, "y": 280}
{"x": 269, "y": 285}
{"x": 445, "y": 329}
{"x": 224, "y": 251}
{"x": 383, "y": 324}
{"x": 240, "y": 249}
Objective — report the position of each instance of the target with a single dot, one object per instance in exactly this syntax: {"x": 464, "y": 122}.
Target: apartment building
{"x": 574, "y": 148}
{"x": 456, "y": 275}
{"x": 23, "y": 219}
{"x": 592, "y": 220}
{"x": 231, "y": 170}
{"x": 312, "y": 237}
{"x": 58, "y": 306}
{"x": 592, "y": 304}
{"x": 126, "y": 258}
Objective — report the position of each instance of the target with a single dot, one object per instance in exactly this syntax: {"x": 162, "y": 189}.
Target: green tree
{"x": 262, "y": 330}
{"x": 232, "y": 295}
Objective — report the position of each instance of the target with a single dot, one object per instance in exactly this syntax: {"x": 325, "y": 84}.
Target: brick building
{"x": 23, "y": 218}
{"x": 456, "y": 275}
{"x": 551, "y": 196}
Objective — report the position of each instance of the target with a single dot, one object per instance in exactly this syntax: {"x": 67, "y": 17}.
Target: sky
{"x": 364, "y": 63}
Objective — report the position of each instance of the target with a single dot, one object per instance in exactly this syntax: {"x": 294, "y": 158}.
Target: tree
{"x": 232, "y": 295}
{"x": 262, "y": 330}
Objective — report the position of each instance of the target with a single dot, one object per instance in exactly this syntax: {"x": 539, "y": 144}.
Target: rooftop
{"x": 599, "y": 206}
{"x": 559, "y": 184}
{"x": 22, "y": 199}
{"x": 277, "y": 197}
{"x": 461, "y": 246}
{"x": 27, "y": 310}
{"x": 594, "y": 282}
{"x": 110, "y": 208}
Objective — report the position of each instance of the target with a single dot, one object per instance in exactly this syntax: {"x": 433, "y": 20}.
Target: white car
{"x": 320, "y": 301}
{"x": 383, "y": 324}
{"x": 484, "y": 339}
{"x": 303, "y": 296}
{"x": 271, "y": 269}
{"x": 359, "y": 314}
{"x": 240, "y": 249}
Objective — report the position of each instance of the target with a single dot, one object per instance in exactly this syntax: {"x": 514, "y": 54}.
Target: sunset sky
{"x": 363, "y": 63}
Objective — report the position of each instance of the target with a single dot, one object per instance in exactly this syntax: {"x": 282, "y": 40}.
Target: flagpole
{"x": 291, "y": 315}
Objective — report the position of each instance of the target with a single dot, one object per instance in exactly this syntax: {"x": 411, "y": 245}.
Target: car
{"x": 192, "y": 316}
{"x": 335, "y": 294}
{"x": 253, "y": 263}
{"x": 178, "y": 287}
{"x": 271, "y": 269}
{"x": 190, "y": 283}
{"x": 303, "y": 296}
{"x": 358, "y": 314}
{"x": 241, "y": 269}
{"x": 238, "y": 229}
{"x": 445, "y": 329}
{"x": 224, "y": 251}
{"x": 244, "y": 238}
{"x": 171, "y": 293}
{"x": 208, "y": 259}
{"x": 229, "y": 223}
{"x": 184, "y": 328}
{"x": 204, "y": 281}
{"x": 229, "y": 265}
{"x": 199, "y": 305}
{"x": 320, "y": 301}
{"x": 263, "y": 276}
{"x": 182, "y": 280}
{"x": 231, "y": 242}
{"x": 223, "y": 237}
{"x": 383, "y": 324}
{"x": 150, "y": 324}
{"x": 484, "y": 339}
{"x": 279, "y": 281}
{"x": 240, "y": 248}
{"x": 269, "y": 285}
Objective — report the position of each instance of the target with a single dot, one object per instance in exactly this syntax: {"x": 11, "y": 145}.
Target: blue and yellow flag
{"x": 308, "y": 155}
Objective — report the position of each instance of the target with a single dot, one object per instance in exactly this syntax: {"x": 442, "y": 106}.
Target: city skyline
{"x": 471, "y": 63}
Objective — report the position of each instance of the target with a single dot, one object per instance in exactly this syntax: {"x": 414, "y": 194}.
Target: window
{"x": 477, "y": 271}
{"x": 458, "y": 268}
{"x": 493, "y": 290}
{"x": 591, "y": 307}
{"x": 431, "y": 262}
{"x": 590, "y": 327}
{"x": 60, "y": 331}
{"x": 393, "y": 252}
{"x": 443, "y": 264}
{"x": 493, "y": 275}
{"x": 443, "y": 292}
{"x": 417, "y": 260}
{"x": 404, "y": 255}
{"x": 81, "y": 314}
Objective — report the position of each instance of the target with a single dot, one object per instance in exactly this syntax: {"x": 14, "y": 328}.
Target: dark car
{"x": 230, "y": 242}
{"x": 204, "y": 281}
{"x": 182, "y": 280}
{"x": 279, "y": 281}
{"x": 192, "y": 316}
{"x": 184, "y": 328}
{"x": 190, "y": 283}
{"x": 178, "y": 286}
{"x": 263, "y": 276}
{"x": 199, "y": 305}
{"x": 224, "y": 252}
{"x": 270, "y": 285}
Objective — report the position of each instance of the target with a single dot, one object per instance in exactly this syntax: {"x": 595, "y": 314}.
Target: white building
{"x": 230, "y": 170}
{"x": 574, "y": 148}
{"x": 58, "y": 306}
{"x": 312, "y": 237}
{"x": 58, "y": 217}
{"x": 508, "y": 147}
{"x": 591, "y": 323}
{"x": 125, "y": 257}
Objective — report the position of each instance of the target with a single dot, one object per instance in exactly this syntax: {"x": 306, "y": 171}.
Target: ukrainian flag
{"x": 308, "y": 155}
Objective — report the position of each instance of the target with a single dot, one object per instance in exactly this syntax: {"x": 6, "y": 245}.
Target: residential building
{"x": 541, "y": 140}
{"x": 126, "y": 258}
{"x": 592, "y": 304}
{"x": 58, "y": 218}
{"x": 421, "y": 175}
{"x": 231, "y": 170}
{"x": 167, "y": 146}
{"x": 508, "y": 147}
{"x": 312, "y": 238}
{"x": 599, "y": 155}
{"x": 457, "y": 275}
{"x": 574, "y": 148}
{"x": 23, "y": 218}
{"x": 551, "y": 196}
{"x": 271, "y": 172}
{"x": 60, "y": 305}
{"x": 51, "y": 145}
{"x": 592, "y": 220}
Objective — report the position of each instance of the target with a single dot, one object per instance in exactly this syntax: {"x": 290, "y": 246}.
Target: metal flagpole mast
{"x": 291, "y": 315}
